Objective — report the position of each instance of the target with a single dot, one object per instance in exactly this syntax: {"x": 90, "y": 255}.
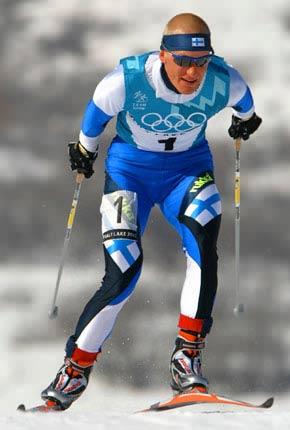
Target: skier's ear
{"x": 162, "y": 56}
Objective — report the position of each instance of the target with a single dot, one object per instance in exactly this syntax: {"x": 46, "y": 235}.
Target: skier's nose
{"x": 192, "y": 71}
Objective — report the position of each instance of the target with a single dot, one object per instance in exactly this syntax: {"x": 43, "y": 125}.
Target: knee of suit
{"x": 123, "y": 264}
{"x": 200, "y": 213}
{"x": 123, "y": 253}
{"x": 202, "y": 200}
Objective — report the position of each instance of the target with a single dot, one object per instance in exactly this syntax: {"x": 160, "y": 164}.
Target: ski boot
{"x": 185, "y": 366}
{"x": 71, "y": 380}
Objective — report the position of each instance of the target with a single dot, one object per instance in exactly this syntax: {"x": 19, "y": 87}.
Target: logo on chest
{"x": 140, "y": 101}
{"x": 173, "y": 122}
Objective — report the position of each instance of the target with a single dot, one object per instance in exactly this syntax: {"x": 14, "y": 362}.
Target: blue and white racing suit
{"x": 159, "y": 156}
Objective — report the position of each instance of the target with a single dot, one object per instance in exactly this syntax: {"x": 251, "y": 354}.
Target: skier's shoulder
{"x": 109, "y": 94}
{"x": 234, "y": 74}
{"x": 236, "y": 80}
{"x": 114, "y": 78}
{"x": 136, "y": 63}
{"x": 219, "y": 63}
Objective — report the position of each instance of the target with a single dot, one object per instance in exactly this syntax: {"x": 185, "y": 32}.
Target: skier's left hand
{"x": 244, "y": 129}
{"x": 81, "y": 159}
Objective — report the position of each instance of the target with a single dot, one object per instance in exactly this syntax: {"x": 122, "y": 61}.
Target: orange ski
{"x": 49, "y": 406}
{"x": 194, "y": 397}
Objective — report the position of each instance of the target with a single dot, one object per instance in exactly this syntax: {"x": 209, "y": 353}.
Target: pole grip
{"x": 238, "y": 142}
{"x": 79, "y": 178}
{"x": 71, "y": 217}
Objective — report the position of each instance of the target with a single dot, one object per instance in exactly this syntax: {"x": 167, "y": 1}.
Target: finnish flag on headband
{"x": 198, "y": 41}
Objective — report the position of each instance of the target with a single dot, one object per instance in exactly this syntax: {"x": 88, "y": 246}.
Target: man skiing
{"x": 159, "y": 155}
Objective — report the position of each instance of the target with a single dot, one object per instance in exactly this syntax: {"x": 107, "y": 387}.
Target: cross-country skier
{"x": 159, "y": 155}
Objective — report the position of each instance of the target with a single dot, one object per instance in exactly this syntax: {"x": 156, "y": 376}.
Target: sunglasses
{"x": 185, "y": 61}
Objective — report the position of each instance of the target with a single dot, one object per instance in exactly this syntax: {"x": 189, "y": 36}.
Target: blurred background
{"x": 52, "y": 54}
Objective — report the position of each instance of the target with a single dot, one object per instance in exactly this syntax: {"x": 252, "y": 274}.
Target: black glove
{"x": 244, "y": 129}
{"x": 81, "y": 159}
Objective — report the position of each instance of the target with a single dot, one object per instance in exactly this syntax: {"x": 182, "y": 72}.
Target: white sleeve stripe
{"x": 89, "y": 143}
{"x": 244, "y": 115}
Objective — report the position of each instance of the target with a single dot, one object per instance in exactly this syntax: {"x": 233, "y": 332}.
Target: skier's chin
{"x": 187, "y": 86}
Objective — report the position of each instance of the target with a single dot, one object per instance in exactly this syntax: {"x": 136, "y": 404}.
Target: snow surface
{"x": 30, "y": 367}
{"x": 104, "y": 408}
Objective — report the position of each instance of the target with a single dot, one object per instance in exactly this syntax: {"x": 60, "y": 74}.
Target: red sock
{"x": 84, "y": 358}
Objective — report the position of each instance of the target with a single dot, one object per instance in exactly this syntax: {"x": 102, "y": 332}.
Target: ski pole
{"x": 79, "y": 178}
{"x": 239, "y": 307}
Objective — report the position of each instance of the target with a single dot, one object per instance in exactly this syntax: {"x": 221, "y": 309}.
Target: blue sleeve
{"x": 246, "y": 103}
{"x": 94, "y": 120}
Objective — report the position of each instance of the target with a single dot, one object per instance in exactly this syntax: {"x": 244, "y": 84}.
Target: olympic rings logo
{"x": 173, "y": 121}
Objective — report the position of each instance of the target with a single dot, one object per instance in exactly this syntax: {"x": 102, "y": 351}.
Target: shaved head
{"x": 185, "y": 35}
{"x": 186, "y": 23}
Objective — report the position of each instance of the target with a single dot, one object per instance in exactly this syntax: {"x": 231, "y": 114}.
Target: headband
{"x": 186, "y": 42}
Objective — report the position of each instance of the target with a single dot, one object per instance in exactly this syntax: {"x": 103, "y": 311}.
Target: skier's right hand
{"x": 244, "y": 128}
{"x": 81, "y": 159}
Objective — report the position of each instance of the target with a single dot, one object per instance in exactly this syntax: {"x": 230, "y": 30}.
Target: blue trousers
{"x": 182, "y": 185}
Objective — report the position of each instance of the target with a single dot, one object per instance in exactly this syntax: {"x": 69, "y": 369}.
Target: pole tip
{"x": 239, "y": 309}
{"x": 53, "y": 313}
